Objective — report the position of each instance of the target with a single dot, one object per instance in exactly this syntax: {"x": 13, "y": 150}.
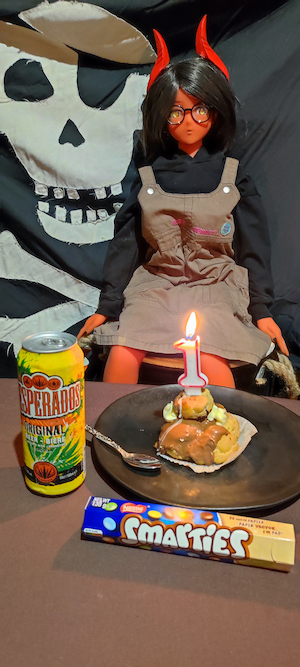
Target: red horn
{"x": 162, "y": 59}
{"x": 203, "y": 49}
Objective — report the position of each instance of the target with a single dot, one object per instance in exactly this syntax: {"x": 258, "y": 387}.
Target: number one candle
{"x": 192, "y": 379}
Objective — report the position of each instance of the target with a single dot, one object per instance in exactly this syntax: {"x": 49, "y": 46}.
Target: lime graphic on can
{"x": 51, "y": 385}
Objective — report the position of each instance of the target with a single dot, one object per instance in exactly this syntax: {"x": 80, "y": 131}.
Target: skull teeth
{"x": 117, "y": 205}
{"x": 116, "y": 189}
{"x": 91, "y": 215}
{"x": 40, "y": 189}
{"x": 102, "y": 213}
{"x": 61, "y": 213}
{"x": 72, "y": 194}
{"x": 100, "y": 193}
{"x": 75, "y": 216}
{"x": 43, "y": 206}
{"x": 71, "y": 213}
{"x": 59, "y": 192}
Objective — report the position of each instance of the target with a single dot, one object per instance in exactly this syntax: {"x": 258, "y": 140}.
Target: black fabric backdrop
{"x": 261, "y": 48}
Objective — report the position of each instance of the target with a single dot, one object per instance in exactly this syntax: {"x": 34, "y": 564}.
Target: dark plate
{"x": 266, "y": 474}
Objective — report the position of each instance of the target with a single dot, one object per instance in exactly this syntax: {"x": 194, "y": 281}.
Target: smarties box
{"x": 190, "y": 532}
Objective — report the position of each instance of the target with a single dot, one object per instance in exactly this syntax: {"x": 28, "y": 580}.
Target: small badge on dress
{"x": 226, "y": 228}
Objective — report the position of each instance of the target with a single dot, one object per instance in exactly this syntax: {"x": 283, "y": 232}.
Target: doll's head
{"x": 200, "y": 79}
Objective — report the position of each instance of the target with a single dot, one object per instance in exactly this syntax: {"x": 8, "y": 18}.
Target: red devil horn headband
{"x": 162, "y": 59}
{"x": 202, "y": 49}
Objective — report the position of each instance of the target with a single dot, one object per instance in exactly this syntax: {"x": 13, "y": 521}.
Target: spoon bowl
{"x": 142, "y": 461}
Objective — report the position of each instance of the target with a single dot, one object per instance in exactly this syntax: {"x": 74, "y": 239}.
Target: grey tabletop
{"x": 65, "y": 601}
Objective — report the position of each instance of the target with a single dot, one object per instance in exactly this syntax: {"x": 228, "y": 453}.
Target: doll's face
{"x": 189, "y": 134}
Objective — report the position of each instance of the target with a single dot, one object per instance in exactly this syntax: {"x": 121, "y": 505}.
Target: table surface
{"x": 65, "y": 601}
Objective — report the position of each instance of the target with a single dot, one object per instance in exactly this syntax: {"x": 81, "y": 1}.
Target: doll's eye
{"x": 201, "y": 112}
{"x": 176, "y": 113}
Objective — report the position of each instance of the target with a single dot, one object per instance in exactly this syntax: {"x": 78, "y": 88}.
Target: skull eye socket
{"x": 100, "y": 82}
{"x": 25, "y": 81}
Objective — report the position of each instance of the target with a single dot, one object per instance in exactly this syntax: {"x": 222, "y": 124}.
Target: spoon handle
{"x": 104, "y": 438}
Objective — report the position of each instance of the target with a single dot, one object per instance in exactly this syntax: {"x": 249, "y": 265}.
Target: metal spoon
{"x": 133, "y": 459}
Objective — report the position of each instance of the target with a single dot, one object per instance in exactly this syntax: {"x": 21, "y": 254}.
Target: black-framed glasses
{"x": 200, "y": 114}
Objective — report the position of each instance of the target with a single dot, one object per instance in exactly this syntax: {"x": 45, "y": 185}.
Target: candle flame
{"x": 191, "y": 325}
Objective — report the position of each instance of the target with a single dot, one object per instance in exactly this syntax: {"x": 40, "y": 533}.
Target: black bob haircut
{"x": 201, "y": 79}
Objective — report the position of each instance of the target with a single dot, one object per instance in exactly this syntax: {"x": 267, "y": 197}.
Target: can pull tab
{"x": 53, "y": 342}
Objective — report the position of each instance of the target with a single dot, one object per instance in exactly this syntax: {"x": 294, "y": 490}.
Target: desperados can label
{"x": 51, "y": 385}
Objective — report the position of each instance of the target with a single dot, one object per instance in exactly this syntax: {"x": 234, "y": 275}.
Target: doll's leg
{"x": 123, "y": 365}
{"x": 217, "y": 370}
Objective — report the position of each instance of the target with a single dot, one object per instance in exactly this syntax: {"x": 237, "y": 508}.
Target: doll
{"x": 190, "y": 233}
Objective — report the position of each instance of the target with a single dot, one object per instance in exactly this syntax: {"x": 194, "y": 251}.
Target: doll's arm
{"x": 124, "y": 254}
{"x": 269, "y": 327}
{"x": 91, "y": 323}
{"x": 252, "y": 247}
{"x": 121, "y": 260}
{"x": 252, "y": 250}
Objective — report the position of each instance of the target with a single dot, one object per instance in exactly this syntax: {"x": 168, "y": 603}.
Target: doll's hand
{"x": 269, "y": 327}
{"x": 91, "y": 324}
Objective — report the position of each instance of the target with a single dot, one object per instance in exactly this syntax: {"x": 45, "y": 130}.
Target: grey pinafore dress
{"x": 189, "y": 267}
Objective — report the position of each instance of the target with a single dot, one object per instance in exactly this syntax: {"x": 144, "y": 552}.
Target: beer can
{"x": 51, "y": 385}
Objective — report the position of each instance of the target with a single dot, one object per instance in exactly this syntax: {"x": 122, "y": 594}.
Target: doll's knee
{"x": 123, "y": 365}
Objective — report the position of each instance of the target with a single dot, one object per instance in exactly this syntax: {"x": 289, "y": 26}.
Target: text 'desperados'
{"x": 41, "y": 404}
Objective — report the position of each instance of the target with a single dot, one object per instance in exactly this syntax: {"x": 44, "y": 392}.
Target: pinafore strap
{"x": 147, "y": 176}
{"x": 230, "y": 170}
